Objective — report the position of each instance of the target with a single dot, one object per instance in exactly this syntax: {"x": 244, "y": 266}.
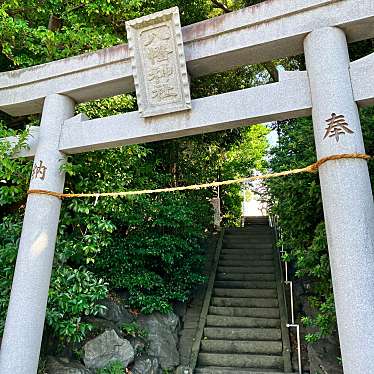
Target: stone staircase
{"x": 245, "y": 328}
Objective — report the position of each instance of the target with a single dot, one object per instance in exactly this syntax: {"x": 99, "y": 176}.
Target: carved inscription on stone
{"x": 39, "y": 171}
{"x": 158, "y": 62}
{"x": 337, "y": 126}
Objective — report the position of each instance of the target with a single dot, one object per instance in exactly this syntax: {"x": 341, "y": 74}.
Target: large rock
{"x": 323, "y": 356}
{"x": 180, "y": 309}
{"x": 183, "y": 370}
{"x": 106, "y": 349}
{"x": 146, "y": 365}
{"x": 162, "y": 337}
{"x": 114, "y": 312}
{"x": 139, "y": 344}
{"x": 64, "y": 366}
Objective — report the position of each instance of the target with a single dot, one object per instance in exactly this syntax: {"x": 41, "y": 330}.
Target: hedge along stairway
{"x": 243, "y": 322}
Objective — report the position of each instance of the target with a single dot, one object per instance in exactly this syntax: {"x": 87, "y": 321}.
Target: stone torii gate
{"x": 156, "y": 64}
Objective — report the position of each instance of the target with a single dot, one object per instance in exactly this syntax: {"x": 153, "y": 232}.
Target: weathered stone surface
{"x": 102, "y": 325}
{"x": 64, "y": 366}
{"x": 323, "y": 357}
{"x": 349, "y": 222}
{"x": 25, "y": 319}
{"x": 114, "y": 312}
{"x": 183, "y": 370}
{"x": 158, "y": 63}
{"x": 107, "y": 348}
{"x": 180, "y": 309}
{"x": 289, "y": 98}
{"x": 146, "y": 365}
{"x": 163, "y": 339}
{"x": 139, "y": 344}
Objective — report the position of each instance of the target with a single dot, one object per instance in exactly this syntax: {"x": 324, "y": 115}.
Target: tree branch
{"x": 76, "y": 7}
{"x": 220, "y": 5}
{"x": 272, "y": 70}
{"x": 54, "y": 23}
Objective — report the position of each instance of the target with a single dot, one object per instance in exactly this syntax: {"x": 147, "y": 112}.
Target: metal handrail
{"x": 273, "y": 221}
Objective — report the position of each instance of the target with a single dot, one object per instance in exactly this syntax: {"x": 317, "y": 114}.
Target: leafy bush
{"x": 74, "y": 294}
{"x": 150, "y": 246}
{"x": 13, "y": 173}
{"x": 10, "y": 230}
{"x": 114, "y": 368}
{"x": 134, "y": 330}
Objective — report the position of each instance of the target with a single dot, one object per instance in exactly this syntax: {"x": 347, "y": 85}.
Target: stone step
{"x": 248, "y": 230}
{"x": 256, "y": 223}
{"x": 231, "y": 370}
{"x": 243, "y": 327}
{"x": 244, "y": 312}
{"x": 240, "y": 360}
{"x": 259, "y": 223}
{"x": 242, "y": 346}
{"x": 223, "y": 333}
{"x": 238, "y": 229}
{"x": 244, "y": 302}
{"x": 247, "y": 251}
{"x": 245, "y": 246}
{"x": 245, "y": 284}
{"x": 246, "y": 269}
{"x": 244, "y": 277}
{"x": 246, "y": 262}
{"x": 252, "y": 234}
{"x": 250, "y": 238}
{"x": 229, "y": 321}
{"x": 247, "y": 256}
{"x": 239, "y": 292}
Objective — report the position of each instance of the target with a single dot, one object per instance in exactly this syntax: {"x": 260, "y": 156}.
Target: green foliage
{"x": 150, "y": 246}
{"x": 74, "y": 294}
{"x": 33, "y": 32}
{"x": 13, "y": 173}
{"x": 114, "y": 368}
{"x": 134, "y": 330}
{"x": 367, "y": 120}
{"x": 297, "y": 202}
{"x": 42, "y": 367}
{"x": 313, "y": 264}
{"x": 161, "y": 257}
{"x": 10, "y": 229}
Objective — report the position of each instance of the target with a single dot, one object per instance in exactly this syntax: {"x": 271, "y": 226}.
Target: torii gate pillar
{"x": 27, "y": 307}
{"x": 347, "y": 195}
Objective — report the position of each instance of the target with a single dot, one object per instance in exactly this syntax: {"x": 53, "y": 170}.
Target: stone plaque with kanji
{"x": 158, "y": 62}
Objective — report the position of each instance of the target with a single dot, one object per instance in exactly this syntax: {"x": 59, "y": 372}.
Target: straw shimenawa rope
{"x": 308, "y": 169}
